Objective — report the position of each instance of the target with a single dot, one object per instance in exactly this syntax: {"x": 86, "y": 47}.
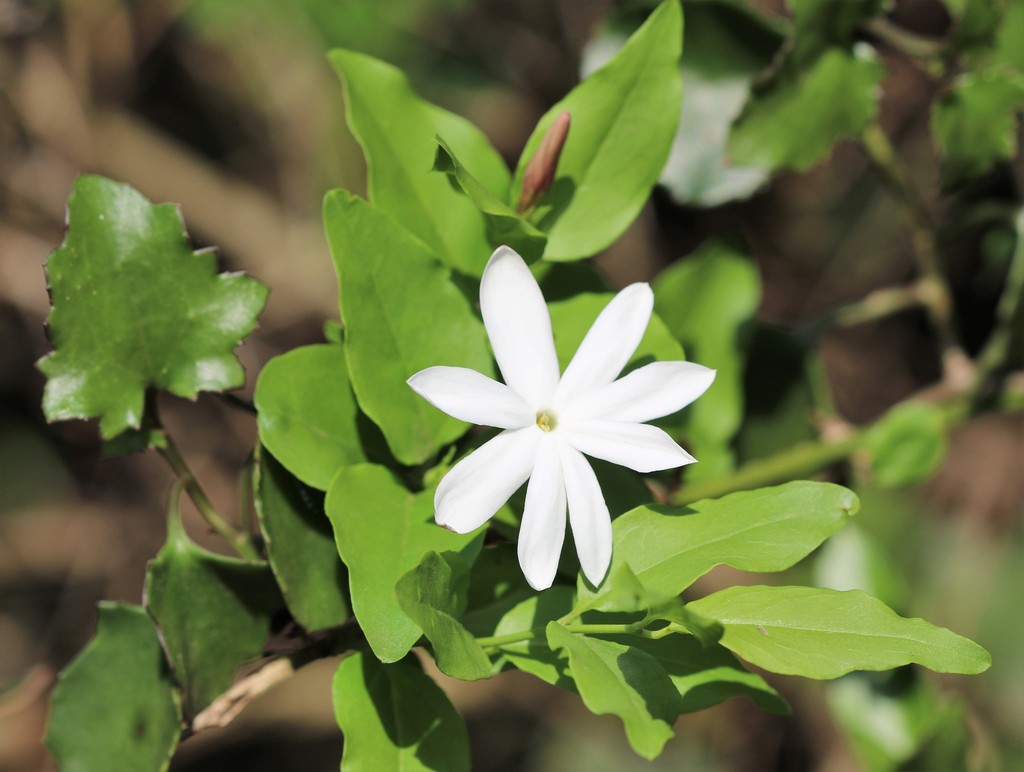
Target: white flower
{"x": 550, "y": 422}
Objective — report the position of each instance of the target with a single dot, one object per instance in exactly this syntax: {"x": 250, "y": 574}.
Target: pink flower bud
{"x": 540, "y": 171}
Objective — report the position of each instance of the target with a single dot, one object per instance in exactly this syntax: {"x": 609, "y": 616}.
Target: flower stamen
{"x": 546, "y": 421}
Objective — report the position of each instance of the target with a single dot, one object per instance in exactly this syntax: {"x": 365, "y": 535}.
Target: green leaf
{"x": 300, "y": 546}
{"x": 795, "y": 122}
{"x": 134, "y": 307}
{"x": 820, "y": 633}
{"x": 708, "y": 302}
{"x": 907, "y": 445}
{"x": 821, "y": 24}
{"x": 769, "y": 529}
{"x": 572, "y": 318}
{"x": 503, "y": 225}
{"x": 975, "y": 23}
{"x": 395, "y": 717}
{"x": 624, "y": 117}
{"x": 429, "y": 596}
{"x": 402, "y": 314}
{"x": 975, "y": 124}
{"x": 115, "y": 706}
{"x": 534, "y": 656}
{"x": 307, "y": 414}
{"x": 625, "y": 681}
{"x": 382, "y": 531}
{"x": 213, "y": 613}
{"x": 396, "y": 130}
{"x": 853, "y": 560}
{"x": 496, "y": 585}
{"x": 707, "y": 675}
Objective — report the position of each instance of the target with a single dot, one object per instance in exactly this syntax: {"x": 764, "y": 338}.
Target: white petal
{"x": 649, "y": 392}
{"x": 640, "y": 447}
{"x": 470, "y": 396}
{"x": 479, "y": 484}
{"x": 519, "y": 328}
{"x": 543, "y": 528}
{"x": 609, "y": 342}
{"x": 588, "y": 514}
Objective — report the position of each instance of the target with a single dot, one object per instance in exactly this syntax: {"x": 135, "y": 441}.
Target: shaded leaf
{"x": 624, "y": 117}
{"x": 395, "y": 717}
{"x": 402, "y": 314}
{"x": 429, "y": 596}
{"x": 115, "y": 706}
{"x": 534, "y": 656}
{"x": 768, "y": 529}
{"x": 820, "y": 633}
{"x": 382, "y": 531}
{"x": 907, "y": 444}
{"x": 396, "y": 130}
{"x": 625, "y": 681}
{"x": 820, "y": 24}
{"x": 307, "y": 414}
{"x": 213, "y": 613}
{"x": 300, "y": 546}
{"x": 503, "y": 225}
{"x": 795, "y": 122}
{"x": 134, "y": 307}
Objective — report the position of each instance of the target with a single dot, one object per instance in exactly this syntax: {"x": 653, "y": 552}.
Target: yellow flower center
{"x": 546, "y": 421}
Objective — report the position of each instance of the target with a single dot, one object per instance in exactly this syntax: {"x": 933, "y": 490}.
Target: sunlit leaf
{"x": 820, "y": 633}
{"x": 134, "y": 307}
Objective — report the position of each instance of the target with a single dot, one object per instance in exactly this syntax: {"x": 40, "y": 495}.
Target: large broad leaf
{"x": 708, "y": 302}
{"x": 572, "y": 318}
{"x": 382, "y": 531}
{"x": 401, "y": 314}
{"x": 504, "y": 225}
{"x": 975, "y": 123}
{"x": 115, "y": 706}
{"x": 624, "y": 117}
{"x": 625, "y": 681}
{"x": 768, "y": 529}
{"x": 213, "y": 613}
{"x": 794, "y": 123}
{"x": 429, "y": 596}
{"x": 396, "y": 130}
{"x": 395, "y": 718}
{"x": 134, "y": 307}
{"x": 707, "y": 675}
{"x": 821, "y": 633}
{"x": 300, "y": 546}
{"x": 307, "y": 414}
{"x": 534, "y": 656}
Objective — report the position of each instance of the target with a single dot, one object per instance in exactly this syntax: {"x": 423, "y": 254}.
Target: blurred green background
{"x": 229, "y": 108}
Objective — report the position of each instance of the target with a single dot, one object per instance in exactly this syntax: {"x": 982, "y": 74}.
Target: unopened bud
{"x": 540, "y": 171}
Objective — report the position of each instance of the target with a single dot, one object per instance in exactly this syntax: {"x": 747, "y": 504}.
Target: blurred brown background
{"x": 230, "y": 109}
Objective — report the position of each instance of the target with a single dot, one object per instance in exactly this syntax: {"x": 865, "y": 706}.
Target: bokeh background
{"x": 229, "y": 108}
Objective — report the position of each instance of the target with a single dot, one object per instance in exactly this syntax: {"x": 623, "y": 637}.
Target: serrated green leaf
{"x": 624, "y": 117}
{"x": 300, "y": 546}
{"x": 572, "y": 318}
{"x": 134, "y": 307}
{"x": 395, "y": 718}
{"x": 213, "y": 613}
{"x": 534, "y": 656}
{"x": 402, "y": 313}
{"x": 707, "y": 675}
{"x": 708, "y": 302}
{"x": 624, "y": 681}
{"x": 115, "y": 706}
{"x": 307, "y": 414}
{"x": 769, "y": 529}
{"x": 824, "y": 634}
{"x": 382, "y": 531}
{"x": 396, "y": 130}
{"x": 975, "y": 124}
{"x": 795, "y": 122}
{"x": 907, "y": 444}
{"x": 503, "y": 225}
{"x": 429, "y": 596}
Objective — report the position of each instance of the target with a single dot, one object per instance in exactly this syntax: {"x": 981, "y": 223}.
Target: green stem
{"x": 495, "y": 641}
{"x": 236, "y": 538}
{"x": 927, "y": 50}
